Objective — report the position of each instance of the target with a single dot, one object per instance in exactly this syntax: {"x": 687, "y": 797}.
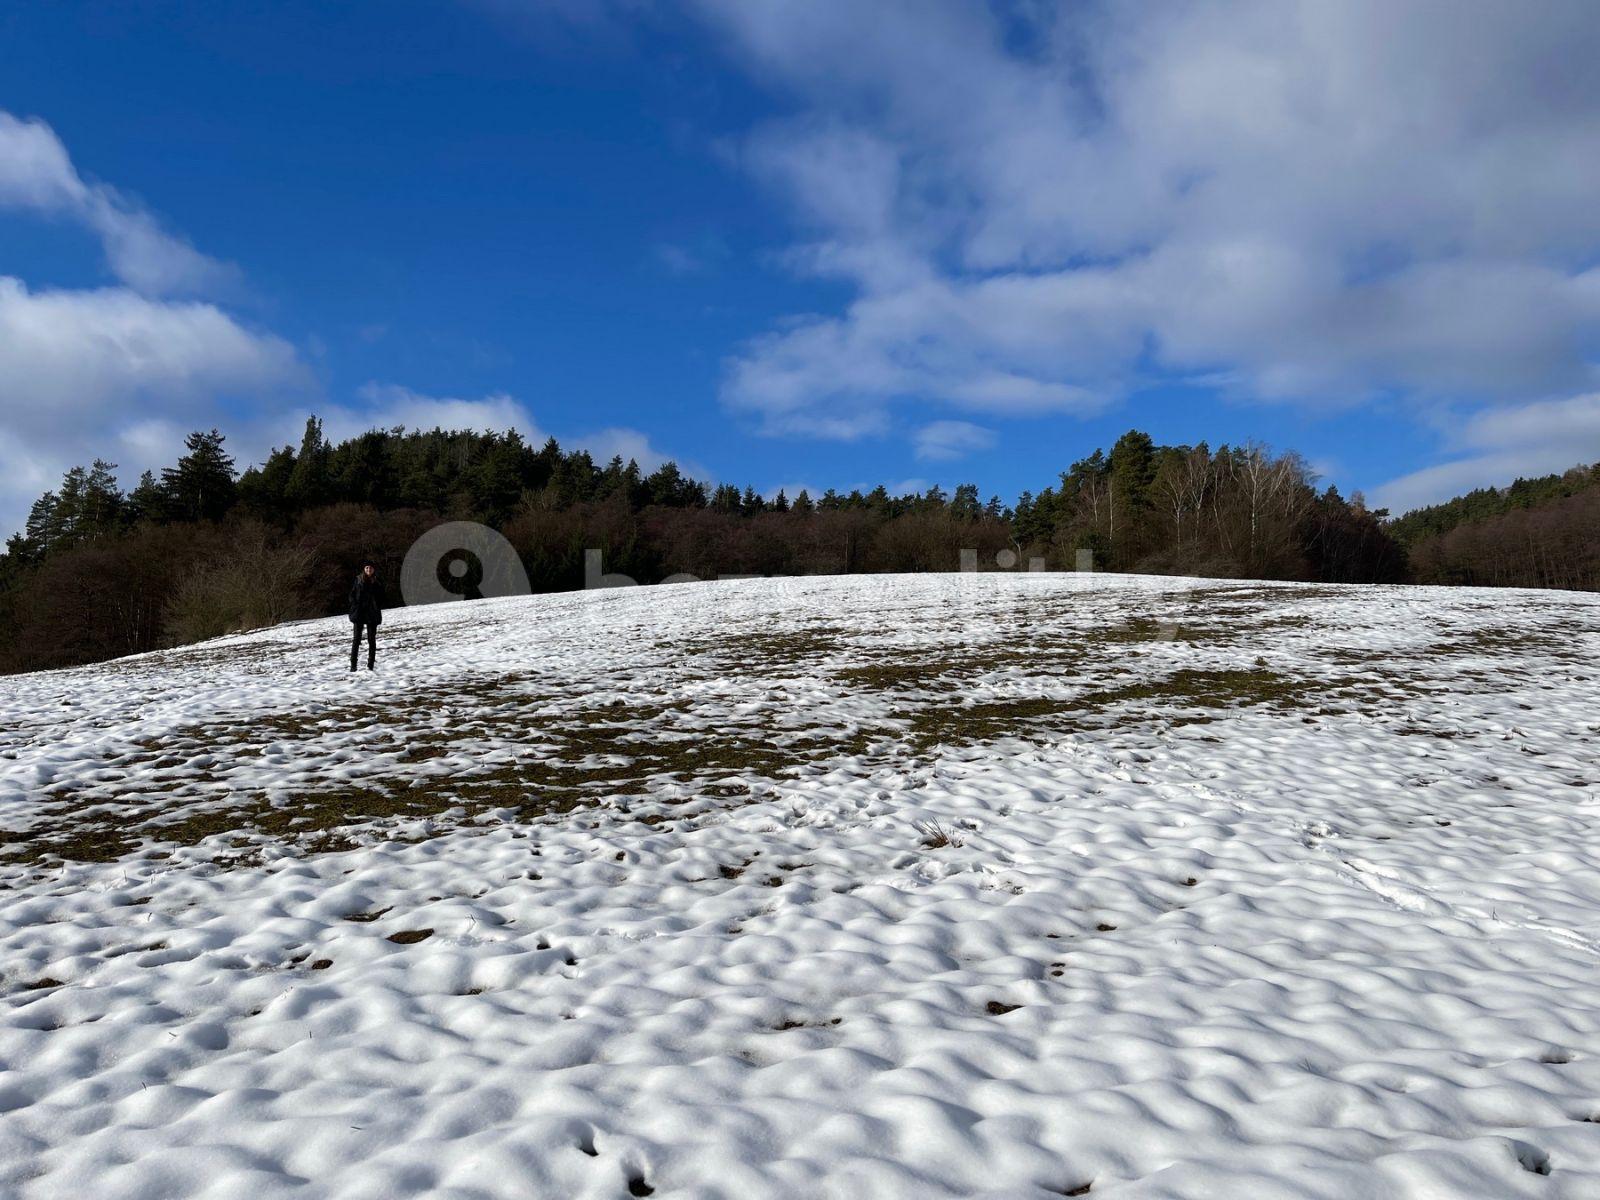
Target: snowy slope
{"x": 1001, "y": 885}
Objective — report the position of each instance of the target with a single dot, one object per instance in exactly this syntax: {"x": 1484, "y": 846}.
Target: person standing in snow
{"x": 366, "y": 609}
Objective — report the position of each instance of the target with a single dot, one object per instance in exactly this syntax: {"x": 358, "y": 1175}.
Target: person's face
{"x": 367, "y": 571}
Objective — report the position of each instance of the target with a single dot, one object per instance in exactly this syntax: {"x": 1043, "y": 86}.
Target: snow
{"x": 1162, "y": 888}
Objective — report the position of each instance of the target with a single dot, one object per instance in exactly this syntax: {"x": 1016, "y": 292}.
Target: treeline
{"x": 1541, "y": 532}
{"x": 1484, "y": 503}
{"x": 1236, "y": 511}
{"x": 200, "y": 549}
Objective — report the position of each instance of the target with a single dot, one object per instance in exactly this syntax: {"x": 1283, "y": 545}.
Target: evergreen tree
{"x": 68, "y": 514}
{"x": 964, "y": 505}
{"x": 149, "y": 501}
{"x": 307, "y": 485}
{"x": 1132, "y": 468}
{"x": 102, "y": 510}
{"x": 495, "y": 483}
{"x": 263, "y": 490}
{"x": 668, "y": 486}
{"x": 633, "y": 485}
{"x": 614, "y": 479}
{"x": 574, "y": 480}
{"x": 43, "y": 530}
{"x": 365, "y": 470}
{"x": 201, "y": 487}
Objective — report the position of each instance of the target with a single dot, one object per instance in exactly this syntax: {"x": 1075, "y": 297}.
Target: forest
{"x": 1534, "y": 533}
{"x": 200, "y": 549}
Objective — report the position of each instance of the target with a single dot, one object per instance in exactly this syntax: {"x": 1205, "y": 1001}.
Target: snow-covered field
{"x": 999, "y": 885}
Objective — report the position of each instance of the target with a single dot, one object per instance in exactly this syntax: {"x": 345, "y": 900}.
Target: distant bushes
{"x": 100, "y": 599}
{"x": 255, "y": 581}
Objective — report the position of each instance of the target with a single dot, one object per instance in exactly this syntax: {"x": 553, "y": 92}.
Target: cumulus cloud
{"x": 1038, "y": 206}
{"x": 82, "y": 371}
{"x": 945, "y": 441}
{"x": 1496, "y": 446}
{"x": 37, "y": 175}
{"x": 82, "y": 356}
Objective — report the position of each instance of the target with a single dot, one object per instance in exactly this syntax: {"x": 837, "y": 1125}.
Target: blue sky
{"x": 820, "y": 244}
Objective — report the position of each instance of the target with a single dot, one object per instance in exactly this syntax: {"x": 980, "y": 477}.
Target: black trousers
{"x": 372, "y": 643}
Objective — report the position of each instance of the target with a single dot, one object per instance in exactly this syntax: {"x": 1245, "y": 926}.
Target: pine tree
{"x": 363, "y": 470}
{"x": 149, "y": 501}
{"x": 103, "y": 501}
{"x": 964, "y": 505}
{"x": 202, "y": 485}
{"x": 263, "y": 490}
{"x": 69, "y": 510}
{"x": 668, "y": 486}
{"x": 307, "y": 485}
{"x": 614, "y": 479}
{"x": 43, "y": 530}
{"x": 1133, "y": 469}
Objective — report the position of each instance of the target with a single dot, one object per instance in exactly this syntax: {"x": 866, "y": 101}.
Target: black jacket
{"x": 366, "y": 601}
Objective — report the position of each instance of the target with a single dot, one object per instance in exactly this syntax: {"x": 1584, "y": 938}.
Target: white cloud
{"x": 110, "y": 373}
{"x": 83, "y": 356}
{"x": 1316, "y": 202}
{"x": 1498, "y": 446}
{"x": 945, "y": 441}
{"x": 37, "y": 175}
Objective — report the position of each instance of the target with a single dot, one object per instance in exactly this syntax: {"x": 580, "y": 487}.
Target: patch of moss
{"x": 580, "y": 756}
{"x": 1027, "y": 716}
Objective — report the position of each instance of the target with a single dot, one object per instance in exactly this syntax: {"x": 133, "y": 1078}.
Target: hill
{"x": 1011, "y": 885}
{"x": 1532, "y": 533}
{"x": 203, "y": 550}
